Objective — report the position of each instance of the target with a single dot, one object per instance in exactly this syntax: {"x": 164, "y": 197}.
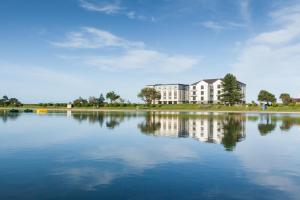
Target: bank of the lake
{"x": 178, "y": 107}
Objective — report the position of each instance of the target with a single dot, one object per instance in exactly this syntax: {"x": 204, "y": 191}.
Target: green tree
{"x": 93, "y": 101}
{"x": 265, "y": 96}
{"x": 5, "y": 101}
{"x": 112, "y": 96}
{"x": 231, "y": 91}
{"x": 149, "y": 95}
{"x": 101, "y": 99}
{"x": 14, "y": 102}
{"x": 285, "y": 98}
{"x": 80, "y": 102}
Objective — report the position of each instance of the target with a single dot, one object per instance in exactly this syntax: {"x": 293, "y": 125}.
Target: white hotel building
{"x": 206, "y": 91}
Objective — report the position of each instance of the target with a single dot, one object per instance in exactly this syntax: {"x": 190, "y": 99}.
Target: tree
{"x": 285, "y": 98}
{"x": 231, "y": 91}
{"x": 93, "y": 101}
{"x": 101, "y": 99}
{"x": 80, "y": 102}
{"x": 149, "y": 95}
{"x": 112, "y": 96}
{"x": 14, "y": 102}
{"x": 5, "y": 101}
{"x": 265, "y": 96}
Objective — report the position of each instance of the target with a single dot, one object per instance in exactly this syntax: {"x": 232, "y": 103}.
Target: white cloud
{"x": 147, "y": 60}
{"x": 114, "y": 8}
{"x": 289, "y": 20}
{"x": 245, "y": 10}
{"x": 216, "y": 26}
{"x": 92, "y": 38}
{"x": 133, "y": 55}
{"x": 212, "y": 25}
{"x": 271, "y": 60}
{"x": 107, "y": 8}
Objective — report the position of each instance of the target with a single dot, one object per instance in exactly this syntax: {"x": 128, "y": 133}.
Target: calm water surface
{"x": 137, "y": 155}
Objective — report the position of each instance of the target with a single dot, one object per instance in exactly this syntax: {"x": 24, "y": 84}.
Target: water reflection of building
{"x": 203, "y": 128}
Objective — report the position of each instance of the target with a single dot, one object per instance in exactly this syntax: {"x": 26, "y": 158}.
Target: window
{"x": 202, "y": 92}
{"x": 202, "y": 98}
{"x": 219, "y": 92}
{"x": 175, "y": 94}
{"x": 194, "y": 87}
{"x": 194, "y": 93}
{"x": 202, "y": 87}
{"x": 219, "y": 86}
{"x": 194, "y": 98}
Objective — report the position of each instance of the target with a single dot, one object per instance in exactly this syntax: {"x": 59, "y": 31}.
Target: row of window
{"x": 202, "y": 92}
{"x": 202, "y": 87}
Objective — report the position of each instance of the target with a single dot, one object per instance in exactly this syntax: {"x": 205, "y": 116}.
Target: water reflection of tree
{"x": 267, "y": 124}
{"x": 5, "y": 116}
{"x": 93, "y": 117}
{"x": 150, "y": 125}
{"x": 233, "y": 127}
{"x": 110, "y": 119}
{"x": 265, "y": 129}
{"x": 289, "y": 122}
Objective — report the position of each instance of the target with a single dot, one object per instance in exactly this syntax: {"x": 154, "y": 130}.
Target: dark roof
{"x": 210, "y": 81}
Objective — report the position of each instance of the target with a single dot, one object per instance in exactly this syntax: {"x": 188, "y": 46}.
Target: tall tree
{"x": 231, "y": 91}
{"x": 93, "y": 101}
{"x": 265, "y": 96}
{"x": 112, "y": 96}
{"x": 149, "y": 95}
{"x": 285, "y": 98}
{"x": 101, "y": 99}
{"x": 80, "y": 102}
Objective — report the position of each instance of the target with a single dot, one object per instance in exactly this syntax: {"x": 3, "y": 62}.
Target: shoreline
{"x": 149, "y": 110}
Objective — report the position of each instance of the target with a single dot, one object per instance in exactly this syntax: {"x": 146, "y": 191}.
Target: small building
{"x": 69, "y": 106}
{"x": 296, "y": 100}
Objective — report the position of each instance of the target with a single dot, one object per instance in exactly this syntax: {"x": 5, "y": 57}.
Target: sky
{"x": 56, "y": 51}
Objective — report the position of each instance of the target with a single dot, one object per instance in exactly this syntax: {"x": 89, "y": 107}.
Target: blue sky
{"x": 60, "y": 50}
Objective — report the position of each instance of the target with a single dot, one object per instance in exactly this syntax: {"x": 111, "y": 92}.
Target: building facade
{"x": 206, "y": 91}
{"x": 172, "y": 93}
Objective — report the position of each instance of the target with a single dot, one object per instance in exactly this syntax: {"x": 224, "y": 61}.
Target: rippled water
{"x": 140, "y": 155}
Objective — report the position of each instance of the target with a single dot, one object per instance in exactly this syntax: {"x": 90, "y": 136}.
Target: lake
{"x": 149, "y": 155}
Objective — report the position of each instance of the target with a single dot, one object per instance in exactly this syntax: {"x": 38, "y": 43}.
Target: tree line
{"x": 270, "y": 99}
{"x": 111, "y": 98}
{"x": 5, "y": 101}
